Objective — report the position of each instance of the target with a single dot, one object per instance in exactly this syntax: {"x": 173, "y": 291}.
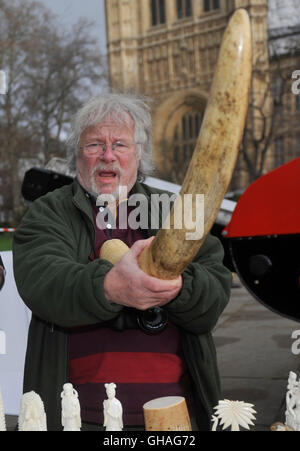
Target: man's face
{"x": 102, "y": 171}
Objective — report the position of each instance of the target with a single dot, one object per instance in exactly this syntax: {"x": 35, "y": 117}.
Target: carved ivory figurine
{"x": 70, "y": 409}
{"x": 112, "y": 409}
{"x": 2, "y": 416}
{"x": 32, "y": 413}
{"x": 292, "y": 414}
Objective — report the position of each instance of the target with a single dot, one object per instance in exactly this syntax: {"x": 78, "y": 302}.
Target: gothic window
{"x": 211, "y": 5}
{"x": 184, "y": 8}
{"x": 185, "y": 138}
{"x": 158, "y": 12}
{"x": 176, "y": 58}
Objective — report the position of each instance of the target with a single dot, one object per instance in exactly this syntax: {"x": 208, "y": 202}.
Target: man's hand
{"x": 128, "y": 285}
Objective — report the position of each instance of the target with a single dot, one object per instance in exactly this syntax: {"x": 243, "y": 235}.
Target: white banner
{"x": 14, "y": 323}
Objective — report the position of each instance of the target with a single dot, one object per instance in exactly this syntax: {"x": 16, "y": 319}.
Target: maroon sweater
{"x": 143, "y": 366}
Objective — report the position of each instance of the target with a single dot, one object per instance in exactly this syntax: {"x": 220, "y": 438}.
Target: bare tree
{"x": 274, "y": 113}
{"x": 50, "y": 71}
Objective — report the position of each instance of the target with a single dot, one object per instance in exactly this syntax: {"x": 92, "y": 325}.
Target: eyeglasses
{"x": 117, "y": 147}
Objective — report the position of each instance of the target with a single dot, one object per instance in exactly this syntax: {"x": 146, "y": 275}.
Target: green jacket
{"x": 63, "y": 287}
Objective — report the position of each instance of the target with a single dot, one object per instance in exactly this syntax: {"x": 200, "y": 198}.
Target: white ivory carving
{"x": 292, "y": 413}
{"x": 70, "y": 409}
{"x": 112, "y": 409}
{"x": 32, "y": 413}
{"x": 233, "y": 414}
{"x": 2, "y": 416}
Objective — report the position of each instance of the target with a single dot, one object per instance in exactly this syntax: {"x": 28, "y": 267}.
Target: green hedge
{"x": 6, "y": 241}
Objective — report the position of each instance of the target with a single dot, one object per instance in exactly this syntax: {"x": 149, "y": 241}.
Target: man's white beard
{"x": 95, "y": 192}
{"x": 93, "y": 189}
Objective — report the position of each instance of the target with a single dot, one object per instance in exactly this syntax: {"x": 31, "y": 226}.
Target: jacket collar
{"x": 83, "y": 201}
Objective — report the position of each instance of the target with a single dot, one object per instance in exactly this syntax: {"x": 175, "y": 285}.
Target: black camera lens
{"x": 152, "y": 320}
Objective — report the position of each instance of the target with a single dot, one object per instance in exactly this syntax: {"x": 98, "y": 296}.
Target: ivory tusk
{"x": 216, "y": 151}
{"x": 215, "y": 155}
{"x": 113, "y": 250}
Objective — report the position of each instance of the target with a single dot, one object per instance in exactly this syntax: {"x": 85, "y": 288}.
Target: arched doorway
{"x": 177, "y": 124}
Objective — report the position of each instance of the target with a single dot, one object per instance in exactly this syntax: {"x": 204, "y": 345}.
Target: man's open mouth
{"x": 107, "y": 174}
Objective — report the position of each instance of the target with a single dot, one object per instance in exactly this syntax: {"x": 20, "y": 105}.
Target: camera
{"x": 153, "y": 320}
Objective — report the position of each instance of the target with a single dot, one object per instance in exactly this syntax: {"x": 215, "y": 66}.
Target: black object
{"x": 153, "y": 320}
{"x": 260, "y": 265}
{"x": 269, "y": 267}
{"x": 38, "y": 182}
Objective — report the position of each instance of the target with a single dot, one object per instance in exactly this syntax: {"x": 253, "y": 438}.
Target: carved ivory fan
{"x": 214, "y": 157}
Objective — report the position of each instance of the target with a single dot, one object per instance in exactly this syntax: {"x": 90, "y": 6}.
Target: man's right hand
{"x": 126, "y": 284}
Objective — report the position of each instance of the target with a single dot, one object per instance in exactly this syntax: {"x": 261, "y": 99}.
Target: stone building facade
{"x": 168, "y": 50}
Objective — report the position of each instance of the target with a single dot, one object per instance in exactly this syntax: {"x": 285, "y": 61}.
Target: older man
{"x": 86, "y": 325}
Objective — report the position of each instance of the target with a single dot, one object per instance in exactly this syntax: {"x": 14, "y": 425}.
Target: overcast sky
{"x": 69, "y": 11}
{"x": 284, "y": 13}
{"x": 281, "y": 13}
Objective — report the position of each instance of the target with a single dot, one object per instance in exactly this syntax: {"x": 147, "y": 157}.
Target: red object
{"x": 270, "y": 206}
